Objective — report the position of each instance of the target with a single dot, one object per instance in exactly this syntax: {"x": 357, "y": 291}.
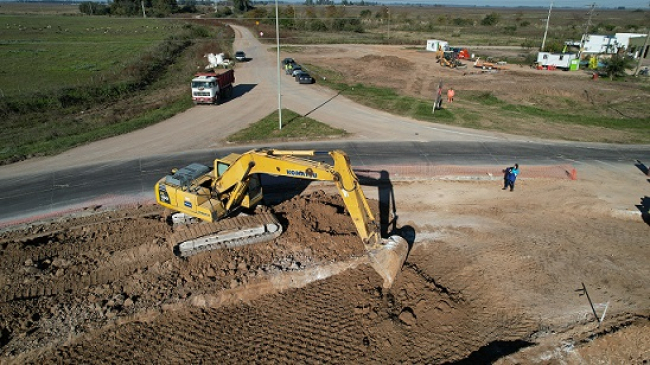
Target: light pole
{"x": 277, "y": 41}
{"x": 645, "y": 44}
{"x": 548, "y": 19}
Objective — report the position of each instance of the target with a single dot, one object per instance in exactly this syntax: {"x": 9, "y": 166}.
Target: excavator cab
{"x": 254, "y": 193}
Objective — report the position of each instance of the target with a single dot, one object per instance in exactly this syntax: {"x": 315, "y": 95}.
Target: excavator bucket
{"x": 387, "y": 260}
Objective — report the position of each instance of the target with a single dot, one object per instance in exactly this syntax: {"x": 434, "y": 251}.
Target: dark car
{"x": 287, "y": 61}
{"x": 240, "y": 56}
{"x": 305, "y": 78}
{"x": 293, "y": 69}
{"x": 296, "y": 70}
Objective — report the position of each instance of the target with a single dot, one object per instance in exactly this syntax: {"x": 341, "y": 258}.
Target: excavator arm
{"x": 288, "y": 163}
{"x": 215, "y": 195}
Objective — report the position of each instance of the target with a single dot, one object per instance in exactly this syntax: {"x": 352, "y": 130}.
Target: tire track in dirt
{"x": 78, "y": 258}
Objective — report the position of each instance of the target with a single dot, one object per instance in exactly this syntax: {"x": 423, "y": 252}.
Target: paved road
{"x": 129, "y": 165}
{"x": 42, "y": 193}
{"x": 255, "y": 96}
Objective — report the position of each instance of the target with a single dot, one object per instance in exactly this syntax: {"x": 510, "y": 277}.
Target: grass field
{"x": 461, "y": 26}
{"x": 68, "y": 80}
{"x": 295, "y": 127}
{"x": 43, "y": 53}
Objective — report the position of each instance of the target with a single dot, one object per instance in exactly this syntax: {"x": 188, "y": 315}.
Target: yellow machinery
{"x": 212, "y": 194}
{"x": 216, "y": 195}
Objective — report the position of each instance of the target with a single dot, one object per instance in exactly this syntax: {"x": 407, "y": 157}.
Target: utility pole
{"x": 388, "y": 24}
{"x": 584, "y": 36}
{"x": 645, "y": 44}
{"x": 144, "y": 14}
{"x": 277, "y": 42}
{"x": 548, "y": 19}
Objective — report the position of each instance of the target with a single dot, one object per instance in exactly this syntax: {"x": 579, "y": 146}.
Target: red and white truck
{"x": 211, "y": 87}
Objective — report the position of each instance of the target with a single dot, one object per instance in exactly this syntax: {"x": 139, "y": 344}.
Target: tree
{"x": 617, "y": 64}
{"x": 242, "y": 5}
{"x": 365, "y": 14}
{"x": 126, "y": 7}
{"x": 162, "y": 8}
{"x": 491, "y": 19}
{"x": 288, "y": 17}
{"x": 93, "y": 8}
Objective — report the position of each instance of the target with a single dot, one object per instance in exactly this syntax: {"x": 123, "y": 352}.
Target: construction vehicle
{"x": 448, "y": 59}
{"x": 216, "y": 195}
{"x": 461, "y": 53}
{"x": 213, "y": 86}
{"x": 488, "y": 66}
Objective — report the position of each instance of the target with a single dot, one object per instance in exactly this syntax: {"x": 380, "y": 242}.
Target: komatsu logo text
{"x": 307, "y": 173}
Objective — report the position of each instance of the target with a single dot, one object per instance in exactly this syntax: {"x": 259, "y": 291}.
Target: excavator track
{"x": 226, "y": 233}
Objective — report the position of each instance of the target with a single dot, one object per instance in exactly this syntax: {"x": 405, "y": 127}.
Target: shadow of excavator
{"x": 644, "y": 208}
{"x": 388, "y": 216}
{"x": 279, "y": 189}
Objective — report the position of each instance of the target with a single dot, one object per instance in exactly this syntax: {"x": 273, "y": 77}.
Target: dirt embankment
{"x": 485, "y": 278}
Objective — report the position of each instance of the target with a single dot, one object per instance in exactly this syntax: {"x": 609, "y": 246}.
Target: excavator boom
{"x": 216, "y": 195}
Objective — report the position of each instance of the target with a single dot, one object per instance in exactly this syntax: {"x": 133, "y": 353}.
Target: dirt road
{"x": 205, "y": 127}
{"x": 491, "y": 277}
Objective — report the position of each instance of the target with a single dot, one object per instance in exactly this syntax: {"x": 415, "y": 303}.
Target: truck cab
{"x": 211, "y": 87}
{"x": 205, "y": 89}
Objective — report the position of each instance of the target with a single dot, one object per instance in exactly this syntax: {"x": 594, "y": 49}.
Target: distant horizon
{"x": 574, "y": 4}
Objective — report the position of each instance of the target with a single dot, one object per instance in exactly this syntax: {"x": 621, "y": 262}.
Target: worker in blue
{"x": 510, "y": 176}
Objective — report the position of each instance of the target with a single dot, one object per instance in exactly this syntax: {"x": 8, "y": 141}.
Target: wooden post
{"x": 584, "y": 290}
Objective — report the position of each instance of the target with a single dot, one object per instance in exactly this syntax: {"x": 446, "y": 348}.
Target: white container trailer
{"x": 558, "y": 60}
{"x": 434, "y": 45}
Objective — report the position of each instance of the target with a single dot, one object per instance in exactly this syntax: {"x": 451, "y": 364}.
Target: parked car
{"x": 287, "y": 61}
{"x": 293, "y": 69}
{"x": 296, "y": 69}
{"x": 240, "y": 56}
{"x": 305, "y": 78}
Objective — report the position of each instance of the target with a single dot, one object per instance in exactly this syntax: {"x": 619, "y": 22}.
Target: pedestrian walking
{"x": 450, "y": 95}
{"x": 510, "y": 176}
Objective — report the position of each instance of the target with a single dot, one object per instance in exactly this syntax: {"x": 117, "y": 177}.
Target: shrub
{"x": 510, "y": 29}
{"x": 491, "y": 19}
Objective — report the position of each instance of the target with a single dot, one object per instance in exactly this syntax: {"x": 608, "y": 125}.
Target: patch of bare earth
{"x": 416, "y": 73}
{"x": 491, "y": 273}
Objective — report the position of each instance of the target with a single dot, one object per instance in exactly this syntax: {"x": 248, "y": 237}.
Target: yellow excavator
{"x": 216, "y": 195}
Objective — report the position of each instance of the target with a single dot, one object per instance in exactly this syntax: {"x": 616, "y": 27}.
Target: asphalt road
{"x": 107, "y": 183}
{"x": 107, "y": 171}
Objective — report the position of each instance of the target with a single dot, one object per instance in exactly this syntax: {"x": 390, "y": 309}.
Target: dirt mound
{"x": 475, "y": 288}
{"x": 75, "y": 275}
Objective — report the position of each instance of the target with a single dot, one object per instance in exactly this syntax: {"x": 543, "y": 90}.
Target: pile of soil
{"x": 475, "y": 287}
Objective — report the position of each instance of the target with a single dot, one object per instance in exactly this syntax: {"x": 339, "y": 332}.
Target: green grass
{"x": 294, "y": 127}
{"x": 382, "y": 98}
{"x": 132, "y": 73}
{"x": 466, "y": 114}
{"x": 42, "y": 53}
{"x": 78, "y": 136}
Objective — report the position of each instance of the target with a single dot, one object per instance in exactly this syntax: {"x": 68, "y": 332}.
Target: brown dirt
{"x": 491, "y": 277}
{"x": 416, "y": 73}
{"x": 482, "y": 281}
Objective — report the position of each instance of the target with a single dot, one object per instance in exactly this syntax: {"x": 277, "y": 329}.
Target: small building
{"x": 604, "y": 44}
{"x": 636, "y": 48}
{"x": 596, "y": 43}
{"x": 623, "y": 39}
{"x": 562, "y": 61}
{"x": 435, "y": 45}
